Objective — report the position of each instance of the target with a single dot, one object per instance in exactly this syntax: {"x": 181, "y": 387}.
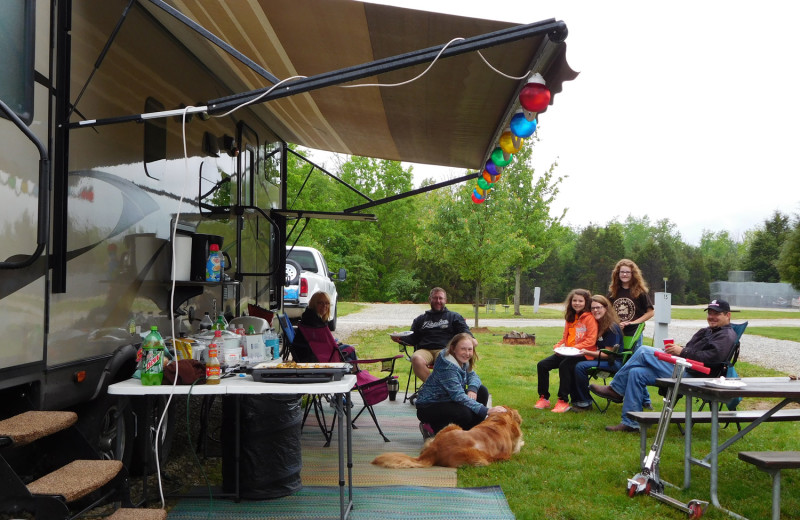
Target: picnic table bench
{"x": 773, "y": 462}
{"x": 647, "y": 419}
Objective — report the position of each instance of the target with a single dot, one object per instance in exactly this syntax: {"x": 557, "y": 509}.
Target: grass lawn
{"x": 789, "y": 333}
{"x": 571, "y": 468}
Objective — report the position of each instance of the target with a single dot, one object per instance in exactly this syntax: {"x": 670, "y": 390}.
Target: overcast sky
{"x": 682, "y": 110}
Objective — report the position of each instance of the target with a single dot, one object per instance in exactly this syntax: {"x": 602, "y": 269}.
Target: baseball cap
{"x": 719, "y": 306}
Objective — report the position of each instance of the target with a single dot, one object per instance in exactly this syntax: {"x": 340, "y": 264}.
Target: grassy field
{"x": 789, "y": 333}
{"x": 571, "y": 468}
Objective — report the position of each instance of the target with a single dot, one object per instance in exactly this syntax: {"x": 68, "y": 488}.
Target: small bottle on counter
{"x": 205, "y": 323}
{"x": 213, "y": 368}
{"x": 153, "y": 350}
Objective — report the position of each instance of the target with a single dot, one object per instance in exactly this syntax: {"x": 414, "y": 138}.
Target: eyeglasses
{"x": 598, "y": 308}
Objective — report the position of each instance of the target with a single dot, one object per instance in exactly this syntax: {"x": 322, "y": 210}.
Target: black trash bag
{"x": 270, "y": 458}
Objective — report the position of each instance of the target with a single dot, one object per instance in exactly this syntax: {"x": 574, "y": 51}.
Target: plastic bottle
{"x": 153, "y": 351}
{"x": 205, "y": 323}
{"x": 221, "y": 323}
{"x": 214, "y": 264}
{"x": 213, "y": 369}
{"x": 242, "y": 340}
{"x": 273, "y": 343}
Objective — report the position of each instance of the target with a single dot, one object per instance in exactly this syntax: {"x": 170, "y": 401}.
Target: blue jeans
{"x": 646, "y": 395}
{"x": 582, "y": 397}
{"x": 642, "y": 369}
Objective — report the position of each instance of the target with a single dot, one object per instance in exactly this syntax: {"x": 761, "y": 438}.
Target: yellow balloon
{"x": 510, "y": 143}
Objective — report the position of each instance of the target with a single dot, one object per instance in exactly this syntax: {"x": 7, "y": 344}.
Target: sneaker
{"x": 426, "y": 430}
{"x": 561, "y": 407}
{"x": 576, "y": 408}
{"x": 542, "y": 403}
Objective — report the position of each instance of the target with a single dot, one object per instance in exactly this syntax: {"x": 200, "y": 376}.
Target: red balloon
{"x": 534, "y": 97}
{"x": 476, "y": 200}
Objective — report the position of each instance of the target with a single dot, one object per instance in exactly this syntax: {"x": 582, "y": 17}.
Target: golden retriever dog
{"x": 496, "y": 438}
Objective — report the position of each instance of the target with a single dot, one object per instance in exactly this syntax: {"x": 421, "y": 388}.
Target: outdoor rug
{"x": 399, "y": 423}
{"x": 385, "y": 503}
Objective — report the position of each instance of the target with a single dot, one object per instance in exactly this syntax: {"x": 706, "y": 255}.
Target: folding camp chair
{"x": 727, "y": 369}
{"x": 372, "y": 389}
{"x": 605, "y": 373}
{"x": 312, "y": 401}
{"x": 408, "y": 351}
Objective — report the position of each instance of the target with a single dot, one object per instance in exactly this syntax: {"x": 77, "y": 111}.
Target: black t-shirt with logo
{"x": 629, "y": 308}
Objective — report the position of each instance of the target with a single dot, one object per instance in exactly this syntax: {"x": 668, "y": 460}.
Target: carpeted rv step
{"x": 77, "y": 479}
{"x": 29, "y": 426}
{"x": 138, "y": 514}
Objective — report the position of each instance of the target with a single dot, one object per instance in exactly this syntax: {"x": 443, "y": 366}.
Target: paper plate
{"x": 401, "y": 334}
{"x": 567, "y": 351}
{"x": 725, "y": 383}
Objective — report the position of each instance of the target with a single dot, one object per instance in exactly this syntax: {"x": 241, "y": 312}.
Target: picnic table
{"x": 242, "y": 386}
{"x": 781, "y": 387}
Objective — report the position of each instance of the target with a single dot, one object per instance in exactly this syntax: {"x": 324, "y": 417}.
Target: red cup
{"x": 668, "y": 342}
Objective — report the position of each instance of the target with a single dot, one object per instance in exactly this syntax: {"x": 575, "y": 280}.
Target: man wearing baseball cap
{"x": 709, "y": 345}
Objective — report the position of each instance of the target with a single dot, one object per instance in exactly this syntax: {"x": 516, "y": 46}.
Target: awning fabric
{"x": 450, "y": 117}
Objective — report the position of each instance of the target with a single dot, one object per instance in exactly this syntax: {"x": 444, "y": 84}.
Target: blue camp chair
{"x": 606, "y": 373}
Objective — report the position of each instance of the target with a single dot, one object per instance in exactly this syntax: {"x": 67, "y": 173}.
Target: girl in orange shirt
{"x": 580, "y": 332}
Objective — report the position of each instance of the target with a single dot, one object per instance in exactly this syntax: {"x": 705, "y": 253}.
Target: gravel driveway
{"x": 771, "y": 353}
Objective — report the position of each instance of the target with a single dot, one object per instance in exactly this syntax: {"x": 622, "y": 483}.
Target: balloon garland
{"x": 533, "y": 98}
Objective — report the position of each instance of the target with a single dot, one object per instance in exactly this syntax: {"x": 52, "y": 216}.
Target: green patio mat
{"x": 384, "y": 503}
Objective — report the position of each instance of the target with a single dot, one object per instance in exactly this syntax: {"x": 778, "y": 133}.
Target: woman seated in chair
{"x": 609, "y": 337}
{"x": 453, "y": 393}
{"x": 316, "y": 316}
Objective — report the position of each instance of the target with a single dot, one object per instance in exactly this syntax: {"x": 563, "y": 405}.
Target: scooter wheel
{"x": 647, "y": 487}
{"x": 697, "y": 511}
{"x": 631, "y": 490}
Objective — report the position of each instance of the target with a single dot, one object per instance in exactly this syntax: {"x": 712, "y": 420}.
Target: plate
{"x": 401, "y": 334}
{"x": 725, "y": 383}
{"x": 567, "y": 351}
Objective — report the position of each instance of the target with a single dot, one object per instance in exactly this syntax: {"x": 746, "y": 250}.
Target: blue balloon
{"x": 521, "y": 127}
{"x": 492, "y": 168}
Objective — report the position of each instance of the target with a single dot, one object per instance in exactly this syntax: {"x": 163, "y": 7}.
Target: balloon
{"x": 500, "y": 158}
{"x": 509, "y": 142}
{"x": 492, "y": 168}
{"x": 480, "y": 192}
{"x": 487, "y": 176}
{"x": 495, "y": 178}
{"x": 484, "y": 184}
{"x": 477, "y": 200}
{"x": 534, "y": 97}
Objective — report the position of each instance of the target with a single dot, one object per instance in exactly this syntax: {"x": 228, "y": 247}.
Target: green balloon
{"x": 484, "y": 185}
{"x": 499, "y": 159}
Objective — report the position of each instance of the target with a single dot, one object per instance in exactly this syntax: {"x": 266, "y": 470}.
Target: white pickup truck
{"x": 307, "y": 273}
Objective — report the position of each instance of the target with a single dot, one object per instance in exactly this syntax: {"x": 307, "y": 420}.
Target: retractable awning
{"x": 451, "y": 116}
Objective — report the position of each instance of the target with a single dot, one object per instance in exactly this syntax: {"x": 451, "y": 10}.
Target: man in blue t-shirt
{"x": 431, "y": 332}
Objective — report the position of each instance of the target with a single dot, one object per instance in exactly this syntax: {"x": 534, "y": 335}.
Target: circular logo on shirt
{"x": 625, "y": 308}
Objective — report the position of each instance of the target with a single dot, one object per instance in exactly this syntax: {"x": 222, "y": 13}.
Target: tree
{"x": 470, "y": 238}
{"x": 789, "y": 259}
{"x": 524, "y": 203}
{"x": 765, "y": 248}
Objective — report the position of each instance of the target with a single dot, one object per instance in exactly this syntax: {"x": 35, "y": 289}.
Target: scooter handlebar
{"x": 695, "y": 365}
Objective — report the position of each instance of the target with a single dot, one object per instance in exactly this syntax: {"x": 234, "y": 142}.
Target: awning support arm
{"x": 326, "y": 172}
{"x": 208, "y": 35}
{"x": 411, "y": 193}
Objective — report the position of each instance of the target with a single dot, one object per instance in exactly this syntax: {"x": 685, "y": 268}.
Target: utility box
{"x": 662, "y": 302}
{"x": 536, "y": 292}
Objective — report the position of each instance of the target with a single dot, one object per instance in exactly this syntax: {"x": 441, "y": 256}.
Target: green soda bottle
{"x": 153, "y": 350}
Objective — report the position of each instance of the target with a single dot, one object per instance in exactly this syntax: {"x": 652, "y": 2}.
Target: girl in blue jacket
{"x": 453, "y": 394}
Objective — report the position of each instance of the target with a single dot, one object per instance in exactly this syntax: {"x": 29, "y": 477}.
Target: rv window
{"x": 16, "y": 56}
{"x": 155, "y": 141}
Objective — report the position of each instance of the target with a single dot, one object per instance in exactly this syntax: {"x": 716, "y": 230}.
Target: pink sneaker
{"x": 542, "y": 403}
{"x": 561, "y": 407}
